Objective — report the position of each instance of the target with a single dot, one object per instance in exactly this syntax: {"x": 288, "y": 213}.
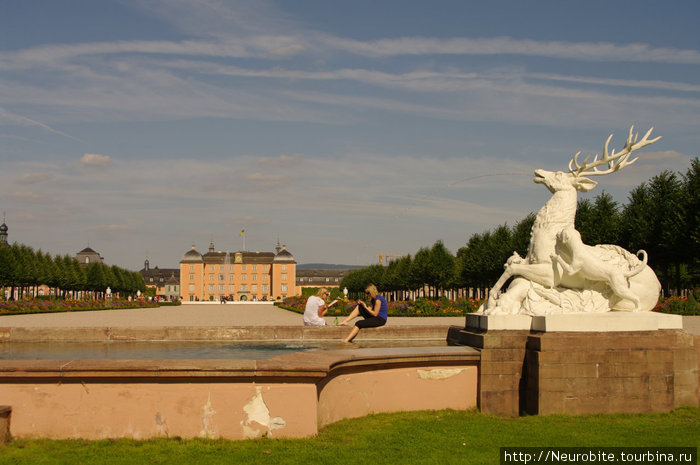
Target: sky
{"x": 343, "y": 129}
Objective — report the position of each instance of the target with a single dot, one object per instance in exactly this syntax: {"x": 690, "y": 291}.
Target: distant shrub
{"x": 417, "y": 308}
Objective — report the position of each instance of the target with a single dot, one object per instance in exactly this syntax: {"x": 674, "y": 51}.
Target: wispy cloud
{"x": 24, "y": 121}
{"x": 579, "y": 51}
{"x": 34, "y": 178}
{"x": 95, "y": 160}
{"x": 283, "y": 160}
{"x": 274, "y": 46}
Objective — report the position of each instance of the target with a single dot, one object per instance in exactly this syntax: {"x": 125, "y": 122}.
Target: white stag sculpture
{"x": 560, "y": 274}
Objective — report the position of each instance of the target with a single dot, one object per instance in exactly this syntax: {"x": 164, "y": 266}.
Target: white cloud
{"x": 583, "y": 51}
{"x": 34, "y": 178}
{"x": 283, "y": 160}
{"x": 95, "y": 160}
{"x": 20, "y": 197}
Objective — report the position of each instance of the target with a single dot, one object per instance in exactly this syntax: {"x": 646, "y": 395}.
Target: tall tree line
{"x": 662, "y": 216}
{"x": 23, "y": 270}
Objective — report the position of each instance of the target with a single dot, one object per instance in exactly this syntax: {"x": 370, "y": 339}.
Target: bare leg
{"x": 352, "y": 334}
{"x": 354, "y": 314}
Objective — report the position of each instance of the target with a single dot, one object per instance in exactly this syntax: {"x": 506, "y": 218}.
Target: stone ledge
{"x": 315, "y": 364}
{"x": 499, "y": 322}
{"x": 220, "y": 333}
{"x": 607, "y": 322}
{"x": 577, "y": 322}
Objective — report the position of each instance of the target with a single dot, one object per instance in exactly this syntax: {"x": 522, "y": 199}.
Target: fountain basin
{"x": 291, "y": 395}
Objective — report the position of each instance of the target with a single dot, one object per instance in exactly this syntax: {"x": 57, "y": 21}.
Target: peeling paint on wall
{"x": 439, "y": 373}
{"x": 207, "y": 423}
{"x": 257, "y": 412}
{"x": 161, "y": 426}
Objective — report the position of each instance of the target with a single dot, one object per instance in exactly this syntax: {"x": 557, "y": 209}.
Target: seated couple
{"x": 374, "y": 315}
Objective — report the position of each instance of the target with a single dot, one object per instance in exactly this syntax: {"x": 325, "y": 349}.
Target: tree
{"x": 583, "y": 222}
{"x": 420, "y": 267}
{"x": 520, "y": 237}
{"x": 8, "y": 264}
{"x": 691, "y": 226}
{"x": 653, "y": 221}
{"x": 441, "y": 274}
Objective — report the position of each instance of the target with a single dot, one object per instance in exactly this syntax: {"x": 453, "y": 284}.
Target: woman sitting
{"x": 316, "y": 308}
{"x": 374, "y": 315}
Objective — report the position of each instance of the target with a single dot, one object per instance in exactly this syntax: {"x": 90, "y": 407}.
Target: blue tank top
{"x": 383, "y": 309}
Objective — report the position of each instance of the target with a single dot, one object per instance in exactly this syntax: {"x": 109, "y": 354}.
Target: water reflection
{"x": 180, "y": 350}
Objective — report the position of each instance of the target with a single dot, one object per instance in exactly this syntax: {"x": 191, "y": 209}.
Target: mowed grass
{"x": 439, "y": 437}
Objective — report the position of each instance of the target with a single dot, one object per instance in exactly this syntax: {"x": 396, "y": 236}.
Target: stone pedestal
{"x": 576, "y": 364}
{"x": 502, "y": 381}
{"x": 605, "y": 372}
{"x": 5, "y": 413}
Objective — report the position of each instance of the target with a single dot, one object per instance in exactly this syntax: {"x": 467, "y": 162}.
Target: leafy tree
{"x": 442, "y": 267}
{"x": 522, "y": 231}
{"x": 584, "y": 222}
{"x": 691, "y": 226}
{"x": 420, "y": 267}
{"x": 8, "y": 264}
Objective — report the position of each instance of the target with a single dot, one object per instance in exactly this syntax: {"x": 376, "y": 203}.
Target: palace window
{"x": 244, "y": 277}
{"x": 191, "y": 287}
{"x": 211, "y": 277}
{"x": 254, "y": 277}
{"x": 254, "y": 288}
{"x": 255, "y": 267}
{"x": 284, "y": 288}
{"x": 210, "y": 287}
{"x": 265, "y": 288}
{"x": 222, "y": 287}
{"x": 284, "y": 276}
{"x": 221, "y": 277}
{"x": 266, "y": 277}
{"x": 230, "y": 277}
{"x": 191, "y": 276}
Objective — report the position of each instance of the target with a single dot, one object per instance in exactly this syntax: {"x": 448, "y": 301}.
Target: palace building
{"x": 217, "y": 276}
{"x": 165, "y": 281}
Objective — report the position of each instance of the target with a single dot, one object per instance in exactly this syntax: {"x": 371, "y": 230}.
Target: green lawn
{"x": 441, "y": 437}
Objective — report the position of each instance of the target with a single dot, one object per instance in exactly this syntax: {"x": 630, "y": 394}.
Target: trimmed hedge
{"x": 419, "y": 307}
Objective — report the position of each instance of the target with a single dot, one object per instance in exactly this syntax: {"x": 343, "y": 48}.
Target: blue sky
{"x": 343, "y": 128}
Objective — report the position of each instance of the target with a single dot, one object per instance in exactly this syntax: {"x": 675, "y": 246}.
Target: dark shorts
{"x": 369, "y": 320}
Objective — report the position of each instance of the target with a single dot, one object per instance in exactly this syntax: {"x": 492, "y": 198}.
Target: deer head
{"x": 576, "y": 178}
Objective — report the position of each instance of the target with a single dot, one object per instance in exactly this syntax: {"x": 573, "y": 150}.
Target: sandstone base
{"x": 606, "y": 372}
{"x": 577, "y": 364}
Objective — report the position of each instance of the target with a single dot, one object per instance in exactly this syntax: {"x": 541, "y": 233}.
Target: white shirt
{"x": 311, "y": 317}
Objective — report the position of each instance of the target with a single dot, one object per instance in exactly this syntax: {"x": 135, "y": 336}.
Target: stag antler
{"x": 615, "y": 161}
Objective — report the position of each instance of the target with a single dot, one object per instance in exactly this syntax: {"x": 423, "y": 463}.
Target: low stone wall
{"x": 288, "y": 396}
{"x": 220, "y": 333}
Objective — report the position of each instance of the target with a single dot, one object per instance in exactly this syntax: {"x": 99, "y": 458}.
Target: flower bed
{"x": 17, "y": 307}
{"x": 417, "y": 308}
{"x": 678, "y": 306}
